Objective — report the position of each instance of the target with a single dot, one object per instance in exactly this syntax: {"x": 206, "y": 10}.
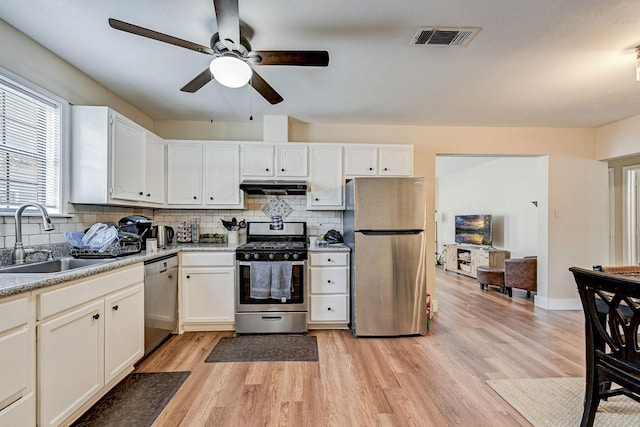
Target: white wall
{"x": 503, "y": 188}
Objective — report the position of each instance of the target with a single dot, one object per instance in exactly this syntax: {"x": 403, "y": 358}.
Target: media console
{"x": 465, "y": 259}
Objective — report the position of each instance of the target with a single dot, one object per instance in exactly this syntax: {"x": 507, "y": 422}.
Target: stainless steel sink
{"x": 54, "y": 266}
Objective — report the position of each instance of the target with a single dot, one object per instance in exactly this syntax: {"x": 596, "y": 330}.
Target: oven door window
{"x": 297, "y": 286}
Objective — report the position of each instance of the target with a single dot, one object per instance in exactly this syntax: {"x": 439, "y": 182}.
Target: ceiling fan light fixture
{"x": 230, "y": 71}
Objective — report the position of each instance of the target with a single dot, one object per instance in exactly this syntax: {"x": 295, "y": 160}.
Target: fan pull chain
{"x": 251, "y": 99}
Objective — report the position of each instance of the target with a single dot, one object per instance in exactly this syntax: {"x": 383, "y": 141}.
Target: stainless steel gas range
{"x": 271, "y": 291}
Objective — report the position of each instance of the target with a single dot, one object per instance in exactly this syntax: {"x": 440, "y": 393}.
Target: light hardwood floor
{"x": 432, "y": 380}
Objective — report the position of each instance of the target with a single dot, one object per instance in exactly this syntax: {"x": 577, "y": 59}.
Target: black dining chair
{"x": 611, "y": 306}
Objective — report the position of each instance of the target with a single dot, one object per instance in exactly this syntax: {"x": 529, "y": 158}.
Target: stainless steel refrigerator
{"x": 384, "y": 225}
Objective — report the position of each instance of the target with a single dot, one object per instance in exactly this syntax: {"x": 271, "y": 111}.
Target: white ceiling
{"x": 567, "y": 63}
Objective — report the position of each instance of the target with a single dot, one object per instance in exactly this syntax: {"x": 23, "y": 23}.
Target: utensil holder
{"x": 233, "y": 238}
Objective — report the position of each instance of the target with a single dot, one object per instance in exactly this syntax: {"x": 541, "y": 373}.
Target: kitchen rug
{"x": 557, "y": 402}
{"x": 265, "y": 348}
{"x": 137, "y": 400}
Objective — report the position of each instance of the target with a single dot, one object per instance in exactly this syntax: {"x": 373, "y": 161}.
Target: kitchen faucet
{"x": 19, "y": 252}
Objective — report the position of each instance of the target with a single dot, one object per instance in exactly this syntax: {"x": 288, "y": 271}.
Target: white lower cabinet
{"x": 207, "y": 291}
{"x": 70, "y": 361}
{"x": 329, "y": 286}
{"x": 90, "y": 333}
{"x": 17, "y": 362}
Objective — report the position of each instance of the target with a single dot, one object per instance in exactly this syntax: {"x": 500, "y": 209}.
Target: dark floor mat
{"x": 137, "y": 400}
{"x": 265, "y": 348}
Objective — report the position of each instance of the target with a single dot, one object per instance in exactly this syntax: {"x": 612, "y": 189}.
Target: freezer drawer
{"x": 389, "y": 285}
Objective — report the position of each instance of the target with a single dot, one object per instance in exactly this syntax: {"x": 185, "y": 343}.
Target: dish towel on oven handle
{"x": 260, "y": 273}
{"x": 281, "y": 272}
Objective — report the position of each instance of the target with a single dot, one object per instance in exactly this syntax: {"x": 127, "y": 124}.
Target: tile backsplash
{"x": 83, "y": 216}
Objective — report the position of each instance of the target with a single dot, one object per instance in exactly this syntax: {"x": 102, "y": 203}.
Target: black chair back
{"x": 611, "y": 306}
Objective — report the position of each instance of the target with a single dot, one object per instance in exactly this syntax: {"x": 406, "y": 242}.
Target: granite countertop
{"x": 336, "y": 247}
{"x": 16, "y": 283}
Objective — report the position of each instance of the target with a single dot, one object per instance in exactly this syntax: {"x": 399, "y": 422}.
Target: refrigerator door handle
{"x": 388, "y": 232}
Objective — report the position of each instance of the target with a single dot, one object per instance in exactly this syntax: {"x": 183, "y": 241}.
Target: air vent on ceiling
{"x": 437, "y": 36}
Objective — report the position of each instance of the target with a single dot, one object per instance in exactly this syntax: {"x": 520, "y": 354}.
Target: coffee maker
{"x": 138, "y": 225}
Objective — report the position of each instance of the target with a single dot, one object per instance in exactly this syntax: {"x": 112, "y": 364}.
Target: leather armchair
{"x": 521, "y": 273}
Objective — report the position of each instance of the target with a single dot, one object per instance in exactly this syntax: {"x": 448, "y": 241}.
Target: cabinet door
{"x": 70, "y": 362}
{"x": 325, "y": 178}
{"x": 154, "y": 169}
{"x": 361, "y": 161}
{"x": 124, "y": 331}
{"x": 222, "y": 175}
{"x": 16, "y": 348}
{"x": 257, "y": 160}
{"x": 292, "y": 161}
{"x": 184, "y": 173}
{"x": 128, "y": 159}
{"x": 396, "y": 161}
{"x": 451, "y": 257}
{"x": 208, "y": 295}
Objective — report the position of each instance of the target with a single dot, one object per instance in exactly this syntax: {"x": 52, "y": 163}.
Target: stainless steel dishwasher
{"x": 160, "y": 300}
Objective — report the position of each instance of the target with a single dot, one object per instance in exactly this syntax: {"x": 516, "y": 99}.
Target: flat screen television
{"x": 474, "y": 229}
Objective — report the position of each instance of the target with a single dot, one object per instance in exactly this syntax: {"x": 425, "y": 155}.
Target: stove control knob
{"x": 247, "y": 256}
{"x": 272, "y": 256}
{"x": 296, "y": 256}
{"x": 256, "y": 256}
{"x": 286, "y": 256}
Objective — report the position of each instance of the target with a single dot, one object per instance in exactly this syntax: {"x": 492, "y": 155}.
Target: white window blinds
{"x": 30, "y": 141}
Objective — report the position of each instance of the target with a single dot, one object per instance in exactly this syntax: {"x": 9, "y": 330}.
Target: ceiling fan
{"x": 232, "y": 53}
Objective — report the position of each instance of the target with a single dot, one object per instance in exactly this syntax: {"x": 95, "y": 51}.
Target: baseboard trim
{"x": 557, "y": 303}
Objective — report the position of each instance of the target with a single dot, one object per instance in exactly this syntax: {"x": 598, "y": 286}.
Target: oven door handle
{"x": 248, "y": 263}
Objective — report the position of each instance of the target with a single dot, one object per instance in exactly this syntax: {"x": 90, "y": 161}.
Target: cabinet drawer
{"x": 14, "y": 313}
{"x": 331, "y": 259}
{"x": 85, "y": 290}
{"x": 328, "y": 280}
{"x": 328, "y": 308}
{"x": 208, "y": 259}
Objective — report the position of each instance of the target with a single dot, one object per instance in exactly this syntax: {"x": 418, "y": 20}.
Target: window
{"x": 30, "y": 145}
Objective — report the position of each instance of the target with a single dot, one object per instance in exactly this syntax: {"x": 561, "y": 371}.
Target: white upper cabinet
{"x": 395, "y": 161}
{"x": 292, "y": 161}
{"x": 378, "y": 160}
{"x": 361, "y": 160}
{"x": 326, "y": 190}
{"x": 114, "y": 160}
{"x": 268, "y": 161}
{"x": 257, "y": 160}
{"x": 184, "y": 173}
{"x": 154, "y": 171}
{"x": 222, "y": 175}
{"x": 204, "y": 174}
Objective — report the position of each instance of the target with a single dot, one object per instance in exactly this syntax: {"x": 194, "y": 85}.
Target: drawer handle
{"x": 188, "y": 277}
{"x": 329, "y": 260}
{"x": 328, "y": 308}
{"x": 271, "y": 317}
{"x": 96, "y": 316}
{"x": 140, "y": 193}
{"x": 115, "y": 307}
{"x": 329, "y": 281}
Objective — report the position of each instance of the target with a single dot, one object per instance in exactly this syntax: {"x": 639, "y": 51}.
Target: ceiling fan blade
{"x": 228, "y": 19}
{"x": 200, "y": 80}
{"x": 264, "y": 89}
{"x": 309, "y": 58}
{"x": 145, "y": 32}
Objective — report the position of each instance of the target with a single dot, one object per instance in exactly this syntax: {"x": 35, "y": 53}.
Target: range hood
{"x": 274, "y": 187}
